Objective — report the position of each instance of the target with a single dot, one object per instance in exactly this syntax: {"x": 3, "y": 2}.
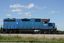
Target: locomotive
{"x": 25, "y": 25}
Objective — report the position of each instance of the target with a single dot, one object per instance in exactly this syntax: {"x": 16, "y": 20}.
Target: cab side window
{"x": 25, "y": 19}
{"x": 37, "y": 20}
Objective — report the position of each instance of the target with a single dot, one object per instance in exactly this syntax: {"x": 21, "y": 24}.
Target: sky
{"x": 52, "y": 9}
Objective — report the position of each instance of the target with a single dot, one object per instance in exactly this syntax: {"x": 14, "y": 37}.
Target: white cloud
{"x": 8, "y": 15}
{"x": 16, "y": 10}
{"x": 28, "y": 14}
{"x": 30, "y": 5}
{"x": 19, "y": 6}
{"x": 19, "y": 9}
{"x": 16, "y": 6}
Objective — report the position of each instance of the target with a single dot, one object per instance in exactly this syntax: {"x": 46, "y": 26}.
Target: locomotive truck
{"x": 25, "y": 25}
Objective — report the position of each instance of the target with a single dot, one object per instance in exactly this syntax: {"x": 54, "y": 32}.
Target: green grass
{"x": 30, "y": 39}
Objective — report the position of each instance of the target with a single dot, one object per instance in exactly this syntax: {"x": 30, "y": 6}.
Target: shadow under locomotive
{"x": 27, "y": 31}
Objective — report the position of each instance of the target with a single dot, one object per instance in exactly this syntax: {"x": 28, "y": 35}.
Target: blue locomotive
{"x": 25, "y": 25}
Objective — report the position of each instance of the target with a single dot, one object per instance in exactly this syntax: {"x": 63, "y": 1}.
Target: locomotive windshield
{"x": 50, "y": 24}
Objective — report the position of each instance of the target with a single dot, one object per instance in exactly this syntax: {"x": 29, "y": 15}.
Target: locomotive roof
{"x": 28, "y": 18}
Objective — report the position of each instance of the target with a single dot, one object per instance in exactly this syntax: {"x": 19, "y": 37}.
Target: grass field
{"x": 31, "y": 39}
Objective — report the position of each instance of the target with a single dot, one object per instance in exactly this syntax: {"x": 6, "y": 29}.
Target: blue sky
{"x": 53, "y": 9}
